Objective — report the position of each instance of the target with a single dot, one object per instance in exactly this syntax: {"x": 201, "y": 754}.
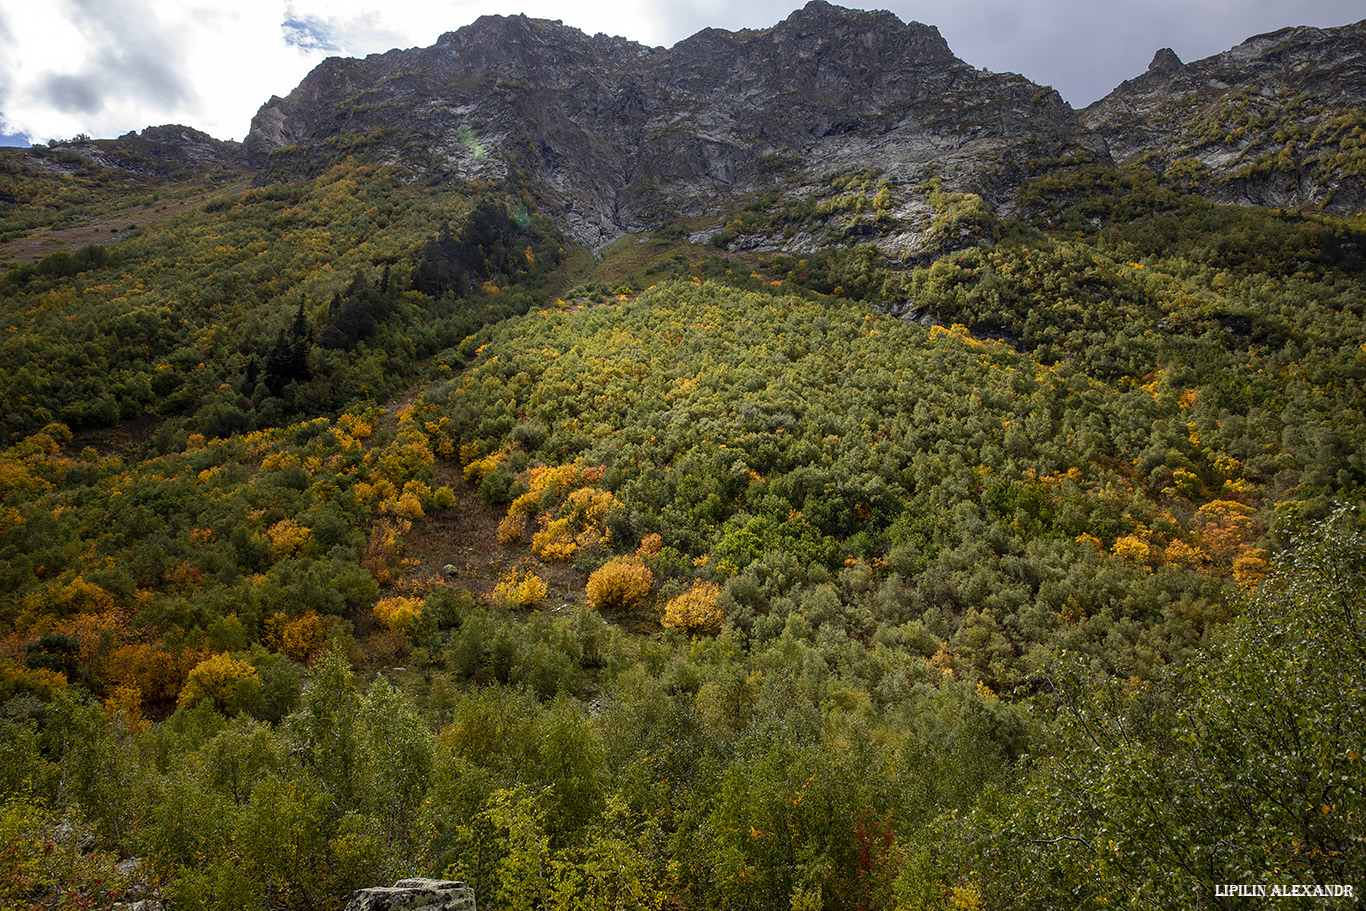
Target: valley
{"x": 605, "y": 481}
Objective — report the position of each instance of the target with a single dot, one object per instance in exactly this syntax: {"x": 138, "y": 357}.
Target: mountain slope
{"x": 617, "y": 136}
{"x": 614, "y": 597}
{"x": 1279, "y": 120}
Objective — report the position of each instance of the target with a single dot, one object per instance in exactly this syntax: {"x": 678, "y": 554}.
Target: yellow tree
{"x": 695, "y": 610}
{"x": 227, "y": 681}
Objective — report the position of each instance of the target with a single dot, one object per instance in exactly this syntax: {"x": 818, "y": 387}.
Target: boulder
{"x": 412, "y": 895}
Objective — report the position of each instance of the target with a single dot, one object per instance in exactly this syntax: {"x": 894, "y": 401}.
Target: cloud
{"x": 308, "y": 33}
{"x": 125, "y": 58}
{"x": 677, "y": 21}
{"x": 355, "y": 35}
{"x": 72, "y": 94}
{"x": 133, "y": 52}
{"x": 154, "y": 77}
{"x": 6, "y": 41}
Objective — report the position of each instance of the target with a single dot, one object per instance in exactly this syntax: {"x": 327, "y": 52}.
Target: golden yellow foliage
{"x": 398, "y": 612}
{"x": 405, "y": 457}
{"x": 695, "y": 610}
{"x": 512, "y": 528}
{"x": 650, "y": 546}
{"x": 1250, "y": 566}
{"x": 1227, "y": 528}
{"x": 1179, "y": 553}
{"x": 217, "y": 678}
{"x": 555, "y": 542}
{"x": 587, "y": 507}
{"x": 620, "y": 584}
{"x": 385, "y": 545}
{"x": 521, "y": 590}
{"x": 478, "y": 469}
{"x": 127, "y": 699}
{"x": 158, "y": 673}
{"x": 64, "y": 600}
{"x": 1186, "y": 482}
{"x": 1132, "y": 549}
{"x": 299, "y": 638}
{"x": 965, "y": 897}
{"x": 943, "y": 661}
{"x": 287, "y": 537}
{"x": 406, "y": 505}
{"x": 1092, "y": 540}
{"x": 574, "y": 512}
{"x": 17, "y": 679}
{"x": 356, "y": 426}
{"x": 547, "y": 482}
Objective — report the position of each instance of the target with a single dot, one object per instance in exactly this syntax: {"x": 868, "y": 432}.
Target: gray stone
{"x": 1230, "y": 121}
{"x": 414, "y": 895}
{"x": 622, "y": 137}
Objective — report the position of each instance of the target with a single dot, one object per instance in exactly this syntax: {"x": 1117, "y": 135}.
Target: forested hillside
{"x": 363, "y": 526}
{"x": 750, "y": 588}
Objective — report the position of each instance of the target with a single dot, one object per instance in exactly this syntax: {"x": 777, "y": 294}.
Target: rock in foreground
{"x": 414, "y": 894}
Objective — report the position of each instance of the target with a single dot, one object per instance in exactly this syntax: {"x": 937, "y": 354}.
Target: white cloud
{"x": 319, "y": 27}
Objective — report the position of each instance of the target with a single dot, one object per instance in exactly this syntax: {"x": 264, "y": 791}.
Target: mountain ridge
{"x": 627, "y": 132}
{"x": 1265, "y": 123}
{"x": 614, "y": 137}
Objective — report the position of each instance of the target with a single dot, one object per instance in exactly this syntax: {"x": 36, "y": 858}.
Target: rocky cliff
{"x": 1279, "y": 120}
{"x": 617, "y": 136}
{"x": 614, "y": 137}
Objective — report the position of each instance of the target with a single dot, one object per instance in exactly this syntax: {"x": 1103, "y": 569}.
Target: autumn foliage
{"x": 221, "y": 679}
{"x": 522, "y": 589}
{"x": 620, "y": 584}
{"x": 695, "y": 610}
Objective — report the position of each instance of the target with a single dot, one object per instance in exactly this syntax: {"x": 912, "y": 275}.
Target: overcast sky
{"x": 104, "y": 67}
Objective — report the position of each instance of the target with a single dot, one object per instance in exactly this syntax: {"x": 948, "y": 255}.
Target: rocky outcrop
{"x": 414, "y": 895}
{"x": 1276, "y": 121}
{"x": 616, "y": 136}
{"x": 171, "y": 150}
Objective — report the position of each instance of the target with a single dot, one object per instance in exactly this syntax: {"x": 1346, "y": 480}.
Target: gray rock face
{"x": 169, "y": 150}
{"x": 414, "y": 895}
{"x": 614, "y": 137}
{"x": 619, "y": 136}
{"x": 1262, "y": 124}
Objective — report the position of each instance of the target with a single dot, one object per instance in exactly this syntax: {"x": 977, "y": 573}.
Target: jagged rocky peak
{"x": 1165, "y": 61}
{"x": 1251, "y": 125}
{"x": 535, "y": 45}
{"x": 863, "y": 38}
{"x": 618, "y": 136}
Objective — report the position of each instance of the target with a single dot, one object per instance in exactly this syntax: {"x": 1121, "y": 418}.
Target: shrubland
{"x": 355, "y": 528}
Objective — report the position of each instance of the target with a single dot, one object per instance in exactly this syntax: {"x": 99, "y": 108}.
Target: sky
{"x": 104, "y": 67}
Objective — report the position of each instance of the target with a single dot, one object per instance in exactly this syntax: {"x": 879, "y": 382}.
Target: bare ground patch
{"x": 465, "y": 537}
